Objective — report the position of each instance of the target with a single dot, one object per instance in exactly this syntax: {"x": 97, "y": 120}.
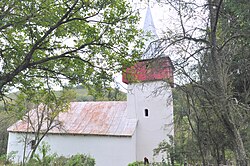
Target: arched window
{"x": 146, "y": 113}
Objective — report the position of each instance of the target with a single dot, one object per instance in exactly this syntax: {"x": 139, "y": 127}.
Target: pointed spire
{"x": 149, "y": 24}
{"x": 150, "y": 45}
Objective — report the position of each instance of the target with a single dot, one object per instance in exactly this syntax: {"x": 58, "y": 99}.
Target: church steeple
{"x": 151, "y": 45}
{"x": 149, "y": 24}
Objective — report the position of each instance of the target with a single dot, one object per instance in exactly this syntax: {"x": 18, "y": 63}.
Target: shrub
{"x": 7, "y": 159}
{"x": 136, "y": 163}
{"x": 52, "y": 160}
{"x": 60, "y": 161}
{"x": 140, "y": 163}
{"x": 80, "y": 160}
{"x": 46, "y": 159}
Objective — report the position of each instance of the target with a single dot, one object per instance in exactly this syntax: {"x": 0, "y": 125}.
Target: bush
{"x": 7, "y": 159}
{"x": 80, "y": 160}
{"x": 2, "y": 159}
{"x": 137, "y": 163}
{"x": 140, "y": 163}
{"x": 60, "y": 161}
{"x": 52, "y": 160}
{"x": 45, "y": 159}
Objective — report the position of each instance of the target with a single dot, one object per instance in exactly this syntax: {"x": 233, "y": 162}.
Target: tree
{"x": 6, "y": 119}
{"x": 213, "y": 61}
{"x": 44, "y": 43}
{"x": 40, "y": 112}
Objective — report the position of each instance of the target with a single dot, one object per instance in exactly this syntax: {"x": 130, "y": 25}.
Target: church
{"x": 114, "y": 133}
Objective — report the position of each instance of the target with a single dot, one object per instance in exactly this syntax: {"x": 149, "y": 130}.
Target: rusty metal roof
{"x": 85, "y": 118}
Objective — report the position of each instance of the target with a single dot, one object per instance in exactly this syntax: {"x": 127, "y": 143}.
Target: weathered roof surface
{"x": 160, "y": 68}
{"x": 88, "y": 118}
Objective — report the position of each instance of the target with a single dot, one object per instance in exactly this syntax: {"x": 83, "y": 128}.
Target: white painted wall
{"x": 16, "y": 144}
{"x": 157, "y": 98}
{"x": 107, "y": 151}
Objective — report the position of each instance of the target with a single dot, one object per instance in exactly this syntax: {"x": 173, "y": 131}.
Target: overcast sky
{"x": 161, "y": 14}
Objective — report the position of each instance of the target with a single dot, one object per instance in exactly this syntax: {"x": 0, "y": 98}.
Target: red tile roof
{"x": 86, "y": 118}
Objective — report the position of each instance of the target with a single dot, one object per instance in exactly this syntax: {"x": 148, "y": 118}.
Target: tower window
{"x": 146, "y": 112}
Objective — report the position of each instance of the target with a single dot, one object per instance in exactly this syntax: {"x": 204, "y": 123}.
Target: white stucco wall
{"x": 157, "y": 98}
{"x": 107, "y": 151}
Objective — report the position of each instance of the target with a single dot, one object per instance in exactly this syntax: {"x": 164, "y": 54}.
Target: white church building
{"x": 114, "y": 133}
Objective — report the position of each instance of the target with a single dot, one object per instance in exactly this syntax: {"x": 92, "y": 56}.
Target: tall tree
{"x": 44, "y": 42}
{"x": 213, "y": 59}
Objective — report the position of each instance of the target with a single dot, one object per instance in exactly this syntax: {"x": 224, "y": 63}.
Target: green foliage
{"x": 195, "y": 136}
{"x": 184, "y": 143}
{"x": 212, "y": 60}
{"x": 6, "y": 159}
{"x": 136, "y": 163}
{"x": 60, "y": 161}
{"x": 53, "y": 160}
{"x": 169, "y": 149}
{"x": 6, "y": 119}
{"x": 43, "y": 103}
{"x": 80, "y": 160}
{"x": 91, "y": 94}
{"x": 107, "y": 94}
{"x": 44, "y": 158}
{"x": 140, "y": 163}
{"x": 44, "y": 43}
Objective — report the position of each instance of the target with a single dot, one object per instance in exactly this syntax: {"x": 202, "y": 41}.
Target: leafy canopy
{"x": 44, "y": 42}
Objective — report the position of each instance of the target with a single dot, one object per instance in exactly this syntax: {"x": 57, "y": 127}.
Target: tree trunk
{"x": 223, "y": 91}
{"x": 237, "y": 142}
{"x": 241, "y": 157}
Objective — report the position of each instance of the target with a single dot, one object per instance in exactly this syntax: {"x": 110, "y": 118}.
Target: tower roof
{"x": 156, "y": 69}
{"x": 149, "y": 24}
{"x": 151, "y": 44}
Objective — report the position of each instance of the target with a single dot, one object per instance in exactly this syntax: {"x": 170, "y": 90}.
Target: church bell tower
{"x": 149, "y": 99}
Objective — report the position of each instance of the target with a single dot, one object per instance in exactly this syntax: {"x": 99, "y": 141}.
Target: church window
{"x": 146, "y": 112}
